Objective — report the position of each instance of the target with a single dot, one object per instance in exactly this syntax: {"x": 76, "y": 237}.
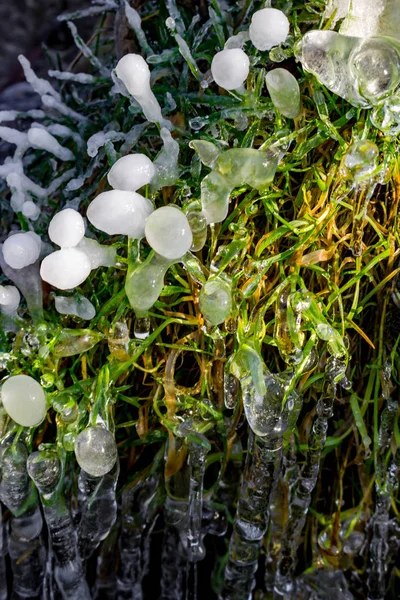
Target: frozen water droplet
{"x": 168, "y": 232}
{"x": 66, "y": 229}
{"x": 216, "y": 301}
{"x": 9, "y": 298}
{"x": 144, "y": 286}
{"x": 65, "y": 269}
{"x": 80, "y": 307}
{"x": 142, "y": 328}
{"x": 99, "y": 256}
{"x": 21, "y": 250}
{"x": 198, "y": 225}
{"x": 230, "y": 68}
{"x": 284, "y": 91}
{"x": 96, "y": 451}
{"x": 30, "y": 210}
{"x": 24, "y": 400}
{"x": 361, "y": 159}
{"x": 120, "y": 212}
{"x": 269, "y": 27}
{"x": 131, "y": 172}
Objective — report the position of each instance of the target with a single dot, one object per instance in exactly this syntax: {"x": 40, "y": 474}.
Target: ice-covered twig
{"x": 99, "y": 139}
{"x": 86, "y": 51}
{"x": 96, "y": 9}
{"x": 135, "y": 22}
{"x": 40, "y": 86}
{"x": 39, "y": 138}
{"x": 84, "y": 78}
{"x": 55, "y": 104}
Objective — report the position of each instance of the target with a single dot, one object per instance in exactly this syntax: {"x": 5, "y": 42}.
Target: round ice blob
{"x": 375, "y": 65}
{"x": 131, "y": 172}
{"x": 134, "y": 71}
{"x": 216, "y": 301}
{"x": 96, "y": 451}
{"x": 230, "y": 68}
{"x": 24, "y": 400}
{"x": 20, "y": 250}
{"x": 284, "y": 91}
{"x": 67, "y": 228}
{"x": 9, "y": 298}
{"x": 30, "y": 210}
{"x": 268, "y": 28}
{"x": 120, "y": 212}
{"x": 65, "y": 269}
{"x": 168, "y": 232}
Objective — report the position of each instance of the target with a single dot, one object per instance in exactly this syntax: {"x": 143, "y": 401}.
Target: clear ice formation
{"x": 198, "y": 225}
{"x": 284, "y": 91}
{"x": 269, "y": 27}
{"x": 24, "y": 400}
{"x": 361, "y": 159}
{"x": 96, "y": 451}
{"x": 66, "y": 229}
{"x": 230, "y": 169}
{"x": 9, "y": 299}
{"x": 65, "y": 269}
{"x": 78, "y": 306}
{"x": 134, "y": 72}
{"x": 230, "y": 68}
{"x": 362, "y": 71}
{"x": 120, "y": 212}
{"x": 21, "y": 249}
{"x": 168, "y": 232}
{"x": 131, "y": 172}
{"x": 75, "y": 341}
{"x": 143, "y": 286}
{"x": 215, "y": 300}
{"x": 166, "y": 163}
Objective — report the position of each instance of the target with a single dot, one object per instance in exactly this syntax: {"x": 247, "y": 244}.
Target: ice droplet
{"x": 361, "y": 158}
{"x": 120, "y": 212}
{"x": 168, "y": 232}
{"x": 66, "y": 229}
{"x": 9, "y": 299}
{"x": 284, "y": 91}
{"x": 81, "y": 307}
{"x": 24, "y": 400}
{"x": 216, "y": 301}
{"x": 96, "y": 451}
{"x": 21, "y": 250}
{"x": 230, "y": 68}
{"x": 269, "y": 27}
{"x": 65, "y": 269}
{"x": 131, "y": 172}
{"x": 144, "y": 286}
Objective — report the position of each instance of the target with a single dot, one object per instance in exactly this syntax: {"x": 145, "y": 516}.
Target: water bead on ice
{"x": 134, "y": 72}
{"x": 361, "y": 159}
{"x": 120, "y": 212}
{"x": 80, "y": 307}
{"x": 269, "y": 27}
{"x": 375, "y": 65}
{"x": 24, "y": 400}
{"x": 65, "y": 269}
{"x": 9, "y": 299}
{"x": 230, "y": 68}
{"x": 168, "y": 232}
{"x": 284, "y": 91}
{"x": 96, "y": 451}
{"x": 216, "y": 301}
{"x": 67, "y": 228}
{"x": 21, "y": 250}
{"x": 131, "y": 172}
{"x": 98, "y": 254}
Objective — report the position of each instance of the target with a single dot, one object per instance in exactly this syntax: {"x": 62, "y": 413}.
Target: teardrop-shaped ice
{"x": 120, "y": 212}
{"x": 65, "y": 269}
{"x": 96, "y": 451}
{"x": 268, "y": 28}
{"x": 144, "y": 285}
{"x": 284, "y": 91}
{"x": 230, "y": 68}
{"x": 67, "y": 228}
{"x": 131, "y": 172}
{"x": 24, "y": 400}
{"x": 168, "y": 232}
{"x": 216, "y": 301}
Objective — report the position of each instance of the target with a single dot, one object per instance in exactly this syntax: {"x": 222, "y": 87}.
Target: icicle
{"x": 98, "y": 508}
{"x": 47, "y": 473}
{"x": 43, "y": 140}
{"x": 135, "y": 22}
{"x": 11, "y": 115}
{"x": 106, "y": 576}
{"x": 78, "y": 306}
{"x": 75, "y": 341}
{"x": 284, "y": 91}
{"x": 138, "y": 508}
{"x": 173, "y": 559}
{"x": 25, "y": 547}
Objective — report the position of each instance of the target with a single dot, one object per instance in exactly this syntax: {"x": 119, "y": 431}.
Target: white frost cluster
{"x": 9, "y": 299}
{"x": 269, "y": 27}
{"x": 230, "y": 68}
{"x": 21, "y": 249}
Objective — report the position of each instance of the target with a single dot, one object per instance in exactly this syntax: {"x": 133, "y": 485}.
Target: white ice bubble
{"x": 30, "y": 210}
{"x": 65, "y": 269}
{"x": 67, "y": 228}
{"x": 96, "y": 451}
{"x": 24, "y": 400}
{"x": 120, "y": 212}
{"x": 230, "y": 68}
{"x": 9, "y": 299}
{"x": 99, "y": 255}
{"x": 268, "y": 28}
{"x": 20, "y": 250}
{"x": 80, "y": 307}
{"x": 168, "y": 232}
{"x": 131, "y": 172}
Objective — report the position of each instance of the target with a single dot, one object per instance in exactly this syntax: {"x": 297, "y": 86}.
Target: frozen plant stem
{"x": 251, "y": 518}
